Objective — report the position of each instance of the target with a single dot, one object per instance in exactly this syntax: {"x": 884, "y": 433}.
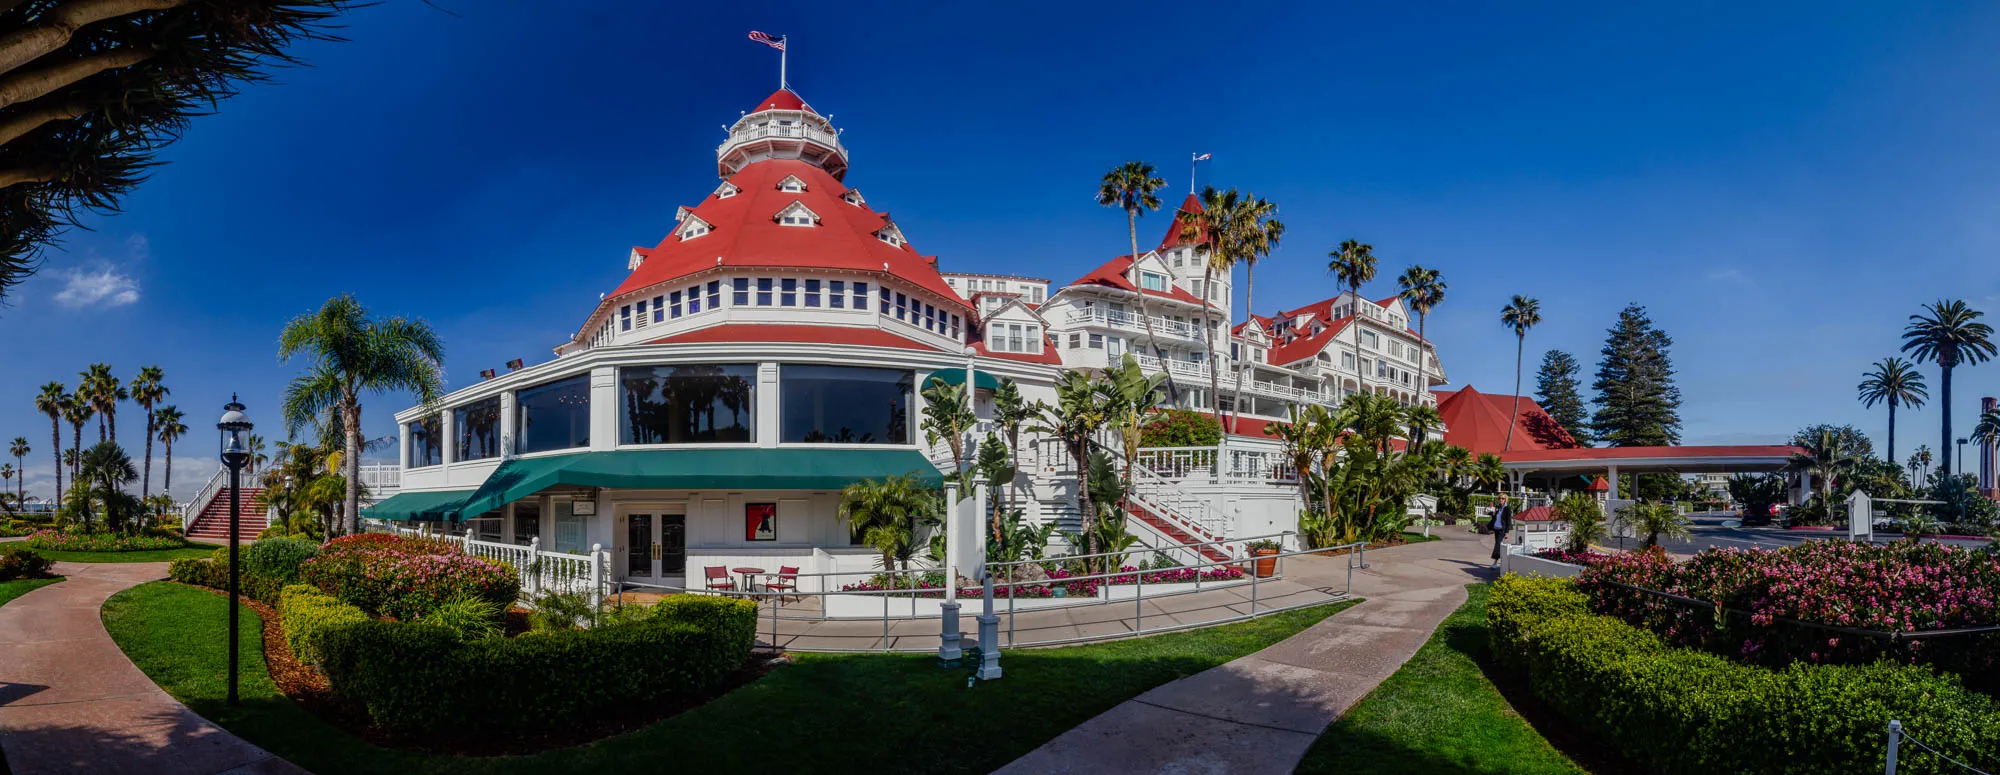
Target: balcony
{"x": 749, "y": 135}
{"x": 1136, "y": 324}
{"x": 1287, "y": 392}
{"x": 1177, "y": 368}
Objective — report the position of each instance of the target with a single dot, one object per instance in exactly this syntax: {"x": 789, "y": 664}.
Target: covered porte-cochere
{"x": 1553, "y": 466}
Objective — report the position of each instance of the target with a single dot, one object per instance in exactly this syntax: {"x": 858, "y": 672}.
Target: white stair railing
{"x": 193, "y": 508}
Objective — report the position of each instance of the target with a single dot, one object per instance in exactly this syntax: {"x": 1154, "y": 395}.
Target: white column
{"x": 403, "y": 445}
{"x": 448, "y": 433}
{"x": 1612, "y": 477}
{"x": 604, "y": 408}
{"x": 510, "y": 424}
{"x": 767, "y": 405}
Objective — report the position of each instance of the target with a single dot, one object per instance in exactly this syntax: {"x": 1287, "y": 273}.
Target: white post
{"x": 1612, "y": 477}
{"x": 596, "y": 576}
{"x": 533, "y": 570}
{"x": 949, "y": 651}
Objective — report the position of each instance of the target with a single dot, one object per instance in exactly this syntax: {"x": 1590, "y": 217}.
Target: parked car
{"x": 1758, "y": 517}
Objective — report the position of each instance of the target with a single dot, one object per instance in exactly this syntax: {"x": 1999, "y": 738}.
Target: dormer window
{"x": 796, "y": 214}
{"x": 890, "y": 234}
{"x": 1153, "y": 281}
{"x": 727, "y": 190}
{"x": 792, "y": 183}
{"x": 692, "y": 227}
{"x": 853, "y": 197}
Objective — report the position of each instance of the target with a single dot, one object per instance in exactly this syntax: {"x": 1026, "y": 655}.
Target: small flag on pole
{"x": 777, "y": 43}
{"x": 1202, "y": 156}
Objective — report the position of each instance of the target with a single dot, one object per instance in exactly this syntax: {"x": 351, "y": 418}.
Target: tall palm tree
{"x": 1520, "y": 314}
{"x": 1423, "y": 290}
{"x": 1896, "y": 381}
{"x": 108, "y": 469}
{"x": 1129, "y": 393}
{"x": 1010, "y": 411}
{"x": 1827, "y": 458}
{"x": 1257, "y": 235}
{"x": 1948, "y": 333}
{"x": 1209, "y": 228}
{"x": 6, "y": 478}
{"x": 78, "y": 412}
{"x": 1922, "y": 457}
{"x": 102, "y": 390}
{"x": 256, "y": 447}
{"x": 148, "y": 389}
{"x": 167, "y": 423}
{"x": 19, "y": 449}
{"x": 1134, "y": 188}
{"x": 53, "y": 401}
{"x": 1079, "y": 413}
{"x": 1353, "y": 264}
{"x": 1986, "y": 432}
{"x": 351, "y": 353}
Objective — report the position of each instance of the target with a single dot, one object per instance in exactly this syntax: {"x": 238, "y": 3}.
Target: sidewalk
{"x": 1259, "y": 713}
{"x": 71, "y": 702}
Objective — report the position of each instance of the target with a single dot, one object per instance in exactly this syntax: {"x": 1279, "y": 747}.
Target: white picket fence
{"x": 539, "y": 571}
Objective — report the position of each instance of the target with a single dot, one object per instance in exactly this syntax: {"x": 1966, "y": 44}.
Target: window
{"x": 1117, "y": 347}
{"x": 726, "y": 191}
{"x": 955, "y": 333}
{"x": 555, "y": 415}
{"x": 1075, "y": 341}
{"x": 694, "y": 299}
{"x": 1096, "y": 341}
{"x": 1036, "y": 294}
{"x": 659, "y": 309}
{"x": 930, "y": 318}
{"x": 1197, "y": 289}
{"x": 570, "y": 529}
{"x": 625, "y": 318}
{"x": 902, "y": 306}
{"x": 763, "y": 291}
{"x": 715, "y": 294}
{"x": 1152, "y": 281}
{"x": 812, "y": 293}
{"x": 674, "y": 303}
{"x": 487, "y": 526}
{"x": 861, "y": 297}
{"x": 527, "y": 521}
{"x": 1347, "y": 361}
{"x": 640, "y": 308}
{"x": 693, "y": 230}
{"x": 478, "y": 428}
{"x": 426, "y": 442}
{"x": 836, "y": 294}
{"x": 885, "y": 300}
{"x": 687, "y": 404}
{"x": 1371, "y": 340}
{"x": 741, "y": 290}
{"x": 792, "y": 184}
{"x": 788, "y": 292}
{"x": 796, "y": 218}
{"x": 844, "y": 405}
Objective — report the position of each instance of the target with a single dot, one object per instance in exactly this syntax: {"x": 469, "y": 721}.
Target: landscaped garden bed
{"x": 101, "y": 541}
{"x": 22, "y": 570}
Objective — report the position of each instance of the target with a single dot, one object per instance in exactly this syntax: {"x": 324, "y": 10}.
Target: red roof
{"x": 1628, "y": 453}
{"x": 745, "y": 233}
{"x": 1599, "y": 485}
{"x": 1478, "y": 422}
{"x": 1307, "y": 346}
{"x": 789, "y": 332}
{"x": 1192, "y": 204}
{"x": 1536, "y": 514}
{"x": 1112, "y": 274}
{"x": 783, "y": 99}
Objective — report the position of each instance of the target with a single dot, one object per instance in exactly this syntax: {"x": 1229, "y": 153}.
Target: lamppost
{"x": 1958, "y": 465}
{"x": 235, "y": 426}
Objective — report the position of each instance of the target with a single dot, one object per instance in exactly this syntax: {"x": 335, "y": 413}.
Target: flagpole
{"x": 1195, "y": 162}
{"x": 784, "y": 43}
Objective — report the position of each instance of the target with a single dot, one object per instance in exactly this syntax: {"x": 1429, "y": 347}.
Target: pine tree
{"x": 1556, "y": 389}
{"x": 1637, "y": 402}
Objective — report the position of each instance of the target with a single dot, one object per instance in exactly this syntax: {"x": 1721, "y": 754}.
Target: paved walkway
{"x": 1259, "y": 713}
{"x": 70, "y": 702}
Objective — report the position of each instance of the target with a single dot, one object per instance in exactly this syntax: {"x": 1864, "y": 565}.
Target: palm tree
{"x": 885, "y": 513}
{"x": 1353, "y": 265}
{"x": 1987, "y": 431}
{"x": 1256, "y": 236}
{"x": 1948, "y": 333}
{"x": 1210, "y": 228}
{"x": 1656, "y": 520}
{"x": 1128, "y": 394}
{"x": 1010, "y": 411}
{"x": 19, "y": 449}
{"x": 1423, "y": 290}
{"x": 53, "y": 401}
{"x": 1134, "y": 188}
{"x": 1079, "y": 413}
{"x": 1488, "y": 470}
{"x": 109, "y": 469}
{"x": 1584, "y": 517}
{"x": 1896, "y": 381}
{"x": 351, "y": 353}
{"x": 6, "y": 478}
{"x": 948, "y": 414}
{"x": 78, "y": 413}
{"x": 101, "y": 389}
{"x": 256, "y": 446}
{"x": 1826, "y": 457}
{"x": 148, "y": 389}
{"x": 1922, "y": 457}
{"x": 1520, "y": 314}
{"x": 167, "y": 423}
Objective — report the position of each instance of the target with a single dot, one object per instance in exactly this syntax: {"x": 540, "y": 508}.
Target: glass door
{"x": 639, "y": 545}
{"x": 673, "y": 544}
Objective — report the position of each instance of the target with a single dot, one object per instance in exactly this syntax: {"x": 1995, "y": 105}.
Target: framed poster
{"x": 760, "y": 521}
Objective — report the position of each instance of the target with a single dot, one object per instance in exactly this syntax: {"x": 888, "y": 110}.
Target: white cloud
{"x": 104, "y": 287}
{"x": 1728, "y": 274}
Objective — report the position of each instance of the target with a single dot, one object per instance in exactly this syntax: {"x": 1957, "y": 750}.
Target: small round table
{"x": 747, "y": 573}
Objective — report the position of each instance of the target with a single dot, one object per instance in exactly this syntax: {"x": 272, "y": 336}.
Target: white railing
{"x": 1252, "y": 465}
{"x": 1275, "y": 390}
{"x": 1126, "y": 321}
{"x": 540, "y": 571}
{"x": 1192, "y": 513}
{"x": 1238, "y": 465}
{"x": 216, "y": 484}
{"x": 753, "y": 134}
{"x": 1178, "y": 462}
{"x": 1176, "y": 367}
{"x": 382, "y": 479}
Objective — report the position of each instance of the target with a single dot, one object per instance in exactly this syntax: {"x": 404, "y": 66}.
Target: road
{"x": 1709, "y": 533}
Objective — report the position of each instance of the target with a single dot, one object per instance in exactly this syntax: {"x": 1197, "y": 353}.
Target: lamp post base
{"x": 949, "y": 651}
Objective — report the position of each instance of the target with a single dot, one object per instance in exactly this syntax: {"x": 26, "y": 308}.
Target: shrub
{"x": 1683, "y": 710}
{"x": 306, "y": 614}
{"x": 405, "y": 578}
{"x": 735, "y": 618}
{"x": 64, "y": 541}
{"x": 468, "y": 618}
{"x": 278, "y": 558}
{"x": 214, "y": 574}
{"x": 20, "y": 562}
{"x": 1180, "y": 428}
{"x": 419, "y": 678}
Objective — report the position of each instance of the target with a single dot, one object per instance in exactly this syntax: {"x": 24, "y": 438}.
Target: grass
{"x": 1438, "y": 714}
{"x": 881, "y": 713}
{"x": 147, "y": 555}
{"x": 18, "y": 587}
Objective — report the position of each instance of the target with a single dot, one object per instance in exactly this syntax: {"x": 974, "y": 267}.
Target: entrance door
{"x": 639, "y": 545}
{"x": 673, "y": 544}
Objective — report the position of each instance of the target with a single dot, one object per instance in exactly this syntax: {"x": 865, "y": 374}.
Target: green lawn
{"x": 867, "y": 712}
{"x": 18, "y": 587}
{"x": 1438, "y": 714}
{"x": 149, "y": 555}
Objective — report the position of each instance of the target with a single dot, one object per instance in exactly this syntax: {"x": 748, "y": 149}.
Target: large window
{"x": 426, "y": 442}
{"x": 555, "y": 415}
{"x": 478, "y": 427}
{"x": 844, "y": 405}
{"x": 688, "y": 404}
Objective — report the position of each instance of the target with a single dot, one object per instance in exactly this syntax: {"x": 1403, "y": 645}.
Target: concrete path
{"x": 70, "y": 702}
{"x": 1259, "y": 713}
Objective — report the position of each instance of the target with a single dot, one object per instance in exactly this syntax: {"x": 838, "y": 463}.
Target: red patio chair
{"x": 788, "y": 581}
{"x": 719, "y": 578}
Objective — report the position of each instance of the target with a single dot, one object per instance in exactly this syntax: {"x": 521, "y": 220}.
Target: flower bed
{"x": 63, "y": 541}
{"x": 405, "y": 578}
{"x": 932, "y": 585}
{"x": 1565, "y": 556}
{"x": 1903, "y": 587}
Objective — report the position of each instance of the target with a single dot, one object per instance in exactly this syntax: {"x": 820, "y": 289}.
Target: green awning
{"x": 697, "y": 469}
{"x": 403, "y": 507}
{"x": 980, "y": 380}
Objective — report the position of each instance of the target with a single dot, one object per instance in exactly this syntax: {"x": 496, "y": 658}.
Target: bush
{"x": 733, "y": 617}
{"x": 419, "y": 678}
{"x": 20, "y": 562}
{"x": 468, "y": 618}
{"x": 278, "y": 558}
{"x": 66, "y": 541}
{"x": 214, "y": 574}
{"x": 306, "y": 614}
{"x": 1180, "y": 428}
{"x": 1682, "y": 710}
{"x": 405, "y": 578}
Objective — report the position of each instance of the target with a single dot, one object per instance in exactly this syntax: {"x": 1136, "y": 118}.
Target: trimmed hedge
{"x": 278, "y": 558}
{"x": 67, "y": 541}
{"x": 1685, "y": 710}
{"x": 20, "y": 562}
{"x": 305, "y": 614}
{"x": 204, "y": 572}
{"x": 420, "y": 678}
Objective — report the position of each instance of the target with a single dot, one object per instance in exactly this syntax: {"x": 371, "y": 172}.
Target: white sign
{"x": 583, "y": 508}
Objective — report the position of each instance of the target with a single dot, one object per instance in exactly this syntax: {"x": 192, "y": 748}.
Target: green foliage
{"x": 1682, "y": 710}
{"x": 1637, "y": 402}
{"x": 1556, "y": 389}
{"x": 1655, "y": 520}
{"x": 1962, "y": 506}
{"x": 1585, "y": 518}
{"x": 1018, "y": 540}
{"x": 214, "y": 574}
{"x": 20, "y": 562}
{"x": 560, "y": 611}
{"x": 406, "y": 578}
{"x": 1180, "y": 428}
{"x": 1351, "y": 475}
{"x": 278, "y": 558}
{"x": 1107, "y": 490}
{"x": 1757, "y": 491}
{"x": 947, "y": 415}
{"x": 306, "y": 614}
{"x": 419, "y": 678}
{"x": 995, "y": 464}
{"x": 468, "y": 618}
{"x": 888, "y": 514}
{"x": 1851, "y": 440}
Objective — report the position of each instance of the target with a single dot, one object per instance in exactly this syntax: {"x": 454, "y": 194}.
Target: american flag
{"x": 1203, "y": 157}
{"x": 777, "y": 43}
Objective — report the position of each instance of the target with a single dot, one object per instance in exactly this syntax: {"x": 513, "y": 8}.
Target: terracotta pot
{"x": 1267, "y": 563}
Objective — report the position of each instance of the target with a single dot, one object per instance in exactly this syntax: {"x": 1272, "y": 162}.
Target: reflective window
{"x": 555, "y": 415}
{"x": 426, "y": 442}
{"x": 687, "y": 404}
{"x": 844, "y": 405}
{"x": 741, "y": 289}
{"x": 478, "y": 429}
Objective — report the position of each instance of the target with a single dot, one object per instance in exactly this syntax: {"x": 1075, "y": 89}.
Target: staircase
{"x": 213, "y": 521}
{"x": 1174, "y": 532}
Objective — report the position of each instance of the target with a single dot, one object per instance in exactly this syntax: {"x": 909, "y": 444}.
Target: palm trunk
{"x": 76, "y": 444}
{"x": 1214, "y": 377}
{"x": 1081, "y": 454}
{"x": 1360, "y": 374}
{"x": 55, "y": 450}
{"x": 1513, "y": 418}
{"x": 111, "y": 422}
{"x": 350, "y": 421}
{"x": 1891, "y": 454}
{"x": 1249, "y": 307}
{"x": 1423, "y": 358}
{"x": 146, "y": 474}
{"x": 167, "y": 481}
{"x": 1146, "y": 314}
{"x": 1944, "y": 455}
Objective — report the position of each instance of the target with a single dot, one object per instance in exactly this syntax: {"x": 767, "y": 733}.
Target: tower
{"x": 782, "y": 126}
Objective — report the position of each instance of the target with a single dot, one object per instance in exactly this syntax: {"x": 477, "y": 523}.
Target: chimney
{"x": 514, "y": 365}
{"x": 486, "y": 373}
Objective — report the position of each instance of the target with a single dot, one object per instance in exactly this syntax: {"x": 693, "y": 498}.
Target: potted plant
{"x": 1266, "y": 553}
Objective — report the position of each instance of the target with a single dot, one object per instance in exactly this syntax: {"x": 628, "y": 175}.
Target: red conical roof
{"x": 1192, "y": 204}
{"x": 783, "y": 99}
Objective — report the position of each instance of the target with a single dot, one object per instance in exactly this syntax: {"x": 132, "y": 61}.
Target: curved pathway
{"x": 70, "y": 702}
{"x": 1259, "y": 713}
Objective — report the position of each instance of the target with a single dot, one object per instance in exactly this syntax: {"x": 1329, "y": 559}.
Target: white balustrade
{"x": 1174, "y": 366}
{"x": 1128, "y": 322}
{"x": 194, "y": 507}
{"x": 540, "y": 571}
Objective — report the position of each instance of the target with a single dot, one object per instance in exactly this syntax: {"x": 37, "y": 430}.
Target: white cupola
{"x": 782, "y": 127}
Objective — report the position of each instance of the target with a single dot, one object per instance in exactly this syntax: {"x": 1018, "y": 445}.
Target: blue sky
{"x": 1781, "y": 186}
